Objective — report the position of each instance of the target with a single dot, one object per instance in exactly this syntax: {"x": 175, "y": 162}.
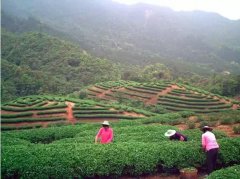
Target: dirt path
{"x": 8, "y": 112}
{"x": 228, "y": 129}
{"x": 69, "y": 110}
{"x": 102, "y": 95}
{"x": 133, "y": 114}
{"x": 154, "y": 99}
{"x": 235, "y": 106}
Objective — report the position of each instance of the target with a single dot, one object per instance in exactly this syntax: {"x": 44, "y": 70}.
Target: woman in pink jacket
{"x": 105, "y": 134}
{"x": 210, "y": 146}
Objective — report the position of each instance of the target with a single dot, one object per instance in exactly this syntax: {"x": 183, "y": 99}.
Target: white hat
{"x": 105, "y": 123}
{"x": 170, "y": 133}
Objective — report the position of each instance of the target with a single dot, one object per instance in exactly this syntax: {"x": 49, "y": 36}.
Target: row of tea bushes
{"x": 18, "y": 120}
{"x": 8, "y": 108}
{"x": 24, "y": 114}
{"x": 68, "y": 160}
{"x": 124, "y": 131}
{"x": 29, "y": 126}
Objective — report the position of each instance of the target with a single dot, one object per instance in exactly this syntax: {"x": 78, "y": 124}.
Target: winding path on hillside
{"x": 102, "y": 95}
{"x": 153, "y": 100}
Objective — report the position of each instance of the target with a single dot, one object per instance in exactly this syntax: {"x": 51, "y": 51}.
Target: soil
{"x": 235, "y": 106}
{"x": 181, "y": 126}
{"x": 192, "y": 118}
{"x": 228, "y": 129}
{"x": 102, "y": 95}
{"x": 133, "y": 114}
{"x": 49, "y": 103}
{"x": 8, "y": 112}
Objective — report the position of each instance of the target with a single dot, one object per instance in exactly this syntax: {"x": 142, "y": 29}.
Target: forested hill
{"x": 36, "y": 63}
{"x": 140, "y": 34}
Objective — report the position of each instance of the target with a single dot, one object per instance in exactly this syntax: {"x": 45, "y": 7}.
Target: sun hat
{"x": 105, "y": 123}
{"x": 170, "y": 133}
{"x": 206, "y": 127}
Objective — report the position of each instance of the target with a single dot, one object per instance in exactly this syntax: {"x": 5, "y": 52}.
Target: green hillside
{"x": 35, "y": 63}
{"x": 54, "y": 47}
{"x": 140, "y": 34}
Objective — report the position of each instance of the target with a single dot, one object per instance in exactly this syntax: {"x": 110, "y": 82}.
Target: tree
{"x": 156, "y": 72}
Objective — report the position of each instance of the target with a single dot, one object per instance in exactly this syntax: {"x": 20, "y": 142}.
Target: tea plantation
{"x": 53, "y": 136}
{"x": 69, "y": 151}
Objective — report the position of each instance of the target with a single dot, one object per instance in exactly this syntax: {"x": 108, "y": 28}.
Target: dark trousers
{"x": 211, "y": 159}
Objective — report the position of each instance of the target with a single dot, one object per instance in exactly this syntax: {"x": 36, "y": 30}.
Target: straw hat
{"x": 106, "y": 123}
{"x": 170, "y": 133}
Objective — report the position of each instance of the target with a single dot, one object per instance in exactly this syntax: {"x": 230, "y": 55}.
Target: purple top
{"x": 178, "y": 136}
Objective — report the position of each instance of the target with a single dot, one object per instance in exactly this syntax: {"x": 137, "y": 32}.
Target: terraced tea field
{"x": 173, "y": 97}
{"x": 42, "y": 111}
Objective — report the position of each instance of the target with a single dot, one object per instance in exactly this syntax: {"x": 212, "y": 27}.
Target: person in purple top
{"x": 174, "y": 135}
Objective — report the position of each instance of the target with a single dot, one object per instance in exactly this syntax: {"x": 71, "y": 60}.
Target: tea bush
{"x": 236, "y": 129}
{"x": 66, "y": 160}
{"x": 225, "y": 173}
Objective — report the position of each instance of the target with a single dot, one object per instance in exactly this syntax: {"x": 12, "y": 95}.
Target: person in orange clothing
{"x": 105, "y": 134}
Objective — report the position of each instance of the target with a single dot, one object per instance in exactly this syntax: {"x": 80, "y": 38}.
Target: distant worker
{"x": 174, "y": 135}
{"x": 105, "y": 134}
{"x": 210, "y": 146}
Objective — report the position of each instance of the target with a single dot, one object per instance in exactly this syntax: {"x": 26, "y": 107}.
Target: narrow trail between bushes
{"x": 154, "y": 99}
{"x": 69, "y": 109}
{"x": 102, "y": 95}
{"x": 235, "y": 106}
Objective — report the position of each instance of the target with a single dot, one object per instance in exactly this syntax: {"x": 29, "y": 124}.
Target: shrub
{"x": 236, "y": 129}
{"x": 17, "y": 120}
{"x": 225, "y": 173}
{"x": 83, "y": 94}
{"x": 226, "y": 121}
{"x": 203, "y": 123}
{"x": 191, "y": 125}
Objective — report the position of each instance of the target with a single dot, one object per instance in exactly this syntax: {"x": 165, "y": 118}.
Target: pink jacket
{"x": 209, "y": 141}
{"x": 106, "y": 135}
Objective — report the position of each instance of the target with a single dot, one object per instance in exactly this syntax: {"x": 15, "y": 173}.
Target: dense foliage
{"x": 183, "y": 49}
{"x": 141, "y": 34}
{"x": 36, "y": 63}
{"x": 137, "y": 149}
{"x": 230, "y": 172}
